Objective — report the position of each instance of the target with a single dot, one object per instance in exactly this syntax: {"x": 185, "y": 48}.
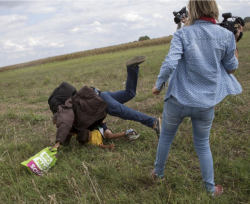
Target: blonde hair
{"x": 198, "y": 9}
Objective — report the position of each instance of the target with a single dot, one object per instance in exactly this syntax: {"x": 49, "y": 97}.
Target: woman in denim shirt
{"x": 199, "y": 66}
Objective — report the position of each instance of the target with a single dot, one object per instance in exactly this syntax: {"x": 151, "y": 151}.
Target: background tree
{"x": 144, "y": 38}
{"x": 247, "y": 19}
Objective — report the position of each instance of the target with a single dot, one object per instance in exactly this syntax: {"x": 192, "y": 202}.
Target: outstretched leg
{"x": 115, "y": 100}
{"x": 119, "y": 110}
{"x": 129, "y": 93}
{"x": 131, "y": 82}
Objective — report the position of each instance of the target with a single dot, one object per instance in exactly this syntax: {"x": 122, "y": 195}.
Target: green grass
{"x": 120, "y": 176}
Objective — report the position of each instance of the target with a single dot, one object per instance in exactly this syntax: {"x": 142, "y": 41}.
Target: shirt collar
{"x": 198, "y": 21}
{"x": 208, "y": 19}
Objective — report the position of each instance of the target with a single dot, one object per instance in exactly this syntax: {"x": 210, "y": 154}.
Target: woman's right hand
{"x": 155, "y": 91}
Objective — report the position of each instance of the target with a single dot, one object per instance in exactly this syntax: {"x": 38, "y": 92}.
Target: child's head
{"x": 83, "y": 136}
{"x": 54, "y": 118}
{"x": 90, "y": 135}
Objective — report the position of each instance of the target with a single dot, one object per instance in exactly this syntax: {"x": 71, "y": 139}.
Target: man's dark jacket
{"x": 85, "y": 110}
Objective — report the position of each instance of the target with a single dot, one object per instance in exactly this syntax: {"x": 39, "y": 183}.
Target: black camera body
{"x": 180, "y": 14}
{"x": 232, "y": 25}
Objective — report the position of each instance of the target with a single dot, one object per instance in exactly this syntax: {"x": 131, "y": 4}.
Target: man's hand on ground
{"x": 57, "y": 145}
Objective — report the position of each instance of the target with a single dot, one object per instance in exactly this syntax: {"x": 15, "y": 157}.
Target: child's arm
{"x": 109, "y": 135}
{"x": 129, "y": 134}
{"x": 110, "y": 147}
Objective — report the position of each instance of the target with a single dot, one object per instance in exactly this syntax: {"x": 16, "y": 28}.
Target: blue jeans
{"x": 202, "y": 119}
{"x": 115, "y": 100}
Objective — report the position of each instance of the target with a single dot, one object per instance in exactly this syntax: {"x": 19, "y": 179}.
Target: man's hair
{"x": 198, "y": 9}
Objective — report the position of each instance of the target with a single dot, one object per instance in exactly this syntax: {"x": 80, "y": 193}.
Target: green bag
{"x": 42, "y": 161}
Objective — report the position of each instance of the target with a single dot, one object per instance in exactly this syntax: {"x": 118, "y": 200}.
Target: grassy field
{"x": 120, "y": 176}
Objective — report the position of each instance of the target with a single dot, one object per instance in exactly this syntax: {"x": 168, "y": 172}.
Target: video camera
{"x": 180, "y": 14}
{"x": 232, "y": 25}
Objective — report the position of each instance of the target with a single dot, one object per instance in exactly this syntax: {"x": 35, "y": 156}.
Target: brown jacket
{"x": 89, "y": 111}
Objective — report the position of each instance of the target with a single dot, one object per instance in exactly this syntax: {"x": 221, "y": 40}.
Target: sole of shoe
{"x": 133, "y": 137}
{"x": 136, "y": 61}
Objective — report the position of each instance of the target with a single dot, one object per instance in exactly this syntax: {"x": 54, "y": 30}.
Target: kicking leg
{"x": 131, "y": 82}
{"x": 119, "y": 110}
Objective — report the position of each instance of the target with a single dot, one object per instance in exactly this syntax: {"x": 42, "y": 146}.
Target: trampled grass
{"x": 92, "y": 175}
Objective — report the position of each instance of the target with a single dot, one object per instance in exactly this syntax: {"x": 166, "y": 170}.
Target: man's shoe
{"x": 218, "y": 190}
{"x": 157, "y": 127}
{"x": 136, "y": 61}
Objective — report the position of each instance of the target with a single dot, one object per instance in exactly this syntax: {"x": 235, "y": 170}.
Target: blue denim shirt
{"x": 197, "y": 63}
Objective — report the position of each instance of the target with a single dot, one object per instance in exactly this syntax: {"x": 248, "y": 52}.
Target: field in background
{"x": 247, "y": 27}
{"x": 98, "y": 51}
{"x": 120, "y": 176}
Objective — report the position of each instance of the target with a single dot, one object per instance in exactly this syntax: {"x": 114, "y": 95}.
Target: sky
{"x": 31, "y": 30}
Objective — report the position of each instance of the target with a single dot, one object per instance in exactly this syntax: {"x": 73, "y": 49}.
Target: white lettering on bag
{"x": 43, "y": 161}
{"x": 46, "y": 157}
{"x": 35, "y": 170}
